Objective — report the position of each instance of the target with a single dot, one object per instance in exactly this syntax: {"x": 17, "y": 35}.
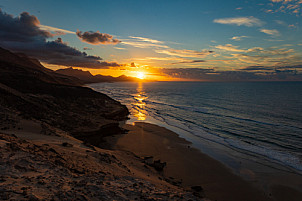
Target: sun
{"x": 140, "y": 75}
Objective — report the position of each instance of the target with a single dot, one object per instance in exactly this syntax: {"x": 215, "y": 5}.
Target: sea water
{"x": 255, "y": 120}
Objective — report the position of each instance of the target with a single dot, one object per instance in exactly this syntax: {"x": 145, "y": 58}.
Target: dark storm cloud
{"x": 22, "y": 34}
{"x": 24, "y": 28}
{"x": 96, "y": 38}
{"x": 59, "y": 53}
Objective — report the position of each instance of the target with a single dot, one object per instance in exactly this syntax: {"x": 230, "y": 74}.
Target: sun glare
{"x": 140, "y": 75}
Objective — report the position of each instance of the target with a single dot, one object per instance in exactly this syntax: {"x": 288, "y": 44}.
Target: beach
{"x": 191, "y": 167}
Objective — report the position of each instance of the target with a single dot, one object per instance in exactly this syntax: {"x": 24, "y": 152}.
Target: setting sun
{"x": 140, "y": 75}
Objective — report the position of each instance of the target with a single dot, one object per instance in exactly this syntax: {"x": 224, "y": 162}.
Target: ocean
{"x": 258, "y": 122}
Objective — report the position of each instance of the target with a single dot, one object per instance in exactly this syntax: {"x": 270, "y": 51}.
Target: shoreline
{"x": 194, "y": 168}
{"x": 232, "y": 152}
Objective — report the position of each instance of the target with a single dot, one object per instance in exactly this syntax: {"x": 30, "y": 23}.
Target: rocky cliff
{"x": 29, "y": 89}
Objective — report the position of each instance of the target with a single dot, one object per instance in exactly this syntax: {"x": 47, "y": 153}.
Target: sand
{"x": 49, "y": 164}
{"x": 190, "y": 166}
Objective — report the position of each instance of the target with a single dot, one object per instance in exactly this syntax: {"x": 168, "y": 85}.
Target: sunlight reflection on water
{"x": 139, "y": 112}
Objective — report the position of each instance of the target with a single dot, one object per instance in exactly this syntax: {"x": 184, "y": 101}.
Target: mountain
{"x": 87, "y": 77}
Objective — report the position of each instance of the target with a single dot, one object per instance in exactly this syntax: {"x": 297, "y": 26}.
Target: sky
{"x": 215, "y": 40}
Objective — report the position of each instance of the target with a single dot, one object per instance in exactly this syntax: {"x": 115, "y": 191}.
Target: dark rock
{"x": 52, "y": 150}
{"x": 95, "y": 137}
{"x": 87, "y": 144}
{"x": 148, "y": 160}
{"x": 159, "y": 166}
{"x": 66, "y": 144}
{"x": 197, "y": 188}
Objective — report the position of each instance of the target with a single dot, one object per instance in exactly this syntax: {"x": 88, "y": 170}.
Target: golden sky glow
{"x": 142, "y": 72}
{"x": 239, "y": 41}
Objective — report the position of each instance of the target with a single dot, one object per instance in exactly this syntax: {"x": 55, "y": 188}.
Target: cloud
{"x": 240, "y": 21}
{"x": 185, "y": 53}
{"x": 97, "y": 38}
{"x": 21, "y": 29}
{"x": 141, "y": 42}
{"x": 280, "y": 22}
{"x": 132, "y": 65}
{"x": 270, "y": 56}
{"x": 257, "y": 68}
{"x": 59, "y": 53}
{"x": 56, "y": 30}
{"x": 189, "y": 62}
{"x": 23, "y": 34}
{"x": 270, "y": 73}
{"x": 146, "y": 39}
{"x": 160, "y": 59}
{"x": 287, "y": 6}
{"x": 229, "y": 47}
{"x": 272, "y": 68}
{"x": 271, "y": 32}
{"x": 238, "y": 38}
{"x": 119, "y": 48}
{"x": 160, "y": 47}
{"x": 238, "y": 57}
{"x": 292, "y": 26}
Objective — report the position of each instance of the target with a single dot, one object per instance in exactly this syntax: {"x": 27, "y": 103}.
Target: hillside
{"x": 31, "y": 90}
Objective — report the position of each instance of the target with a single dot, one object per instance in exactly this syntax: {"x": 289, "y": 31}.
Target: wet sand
{"x": 192, "y": 167}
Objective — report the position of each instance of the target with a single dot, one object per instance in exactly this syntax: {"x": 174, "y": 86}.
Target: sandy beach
{"x": 191, "y": 167}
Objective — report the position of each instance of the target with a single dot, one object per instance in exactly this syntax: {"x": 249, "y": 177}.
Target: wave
{"x": 206, "y": 112}
{"x": 280, "y": 157}
{"x": 181, "y": 107}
